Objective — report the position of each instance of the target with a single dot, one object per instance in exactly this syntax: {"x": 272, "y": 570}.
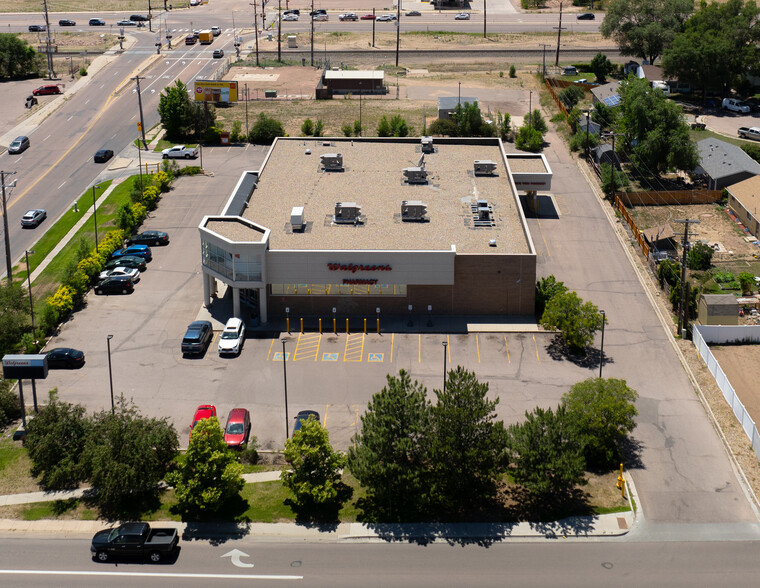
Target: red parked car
{"x": 204, "y": 411}
{"x": 45, "y": 90}
{"x": 367, "y": 17}
{"x": 238, "y": 428}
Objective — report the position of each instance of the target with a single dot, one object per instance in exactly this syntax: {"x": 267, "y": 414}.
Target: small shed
{"x": 605, "y": 154}
{"x": 448, "y": 104}
{"x": 594, "y": 128}
{"x": 355, "y": 82}
{"x": 661, "y": 240}
{"x": 718, "y": 309}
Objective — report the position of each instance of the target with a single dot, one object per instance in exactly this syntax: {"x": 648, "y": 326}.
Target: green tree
{"x": 605, "y": 116}
{"x": 512, "y": 71}
{"x": 443, "y": 127}
{"x": 399, "y": 126}
{"x": 576, "y": 320}
{"x": 9, "y": 404}
{"x": 388, "y": 455}
{"x": 265, "y": 130}
{"x": 469, "y": 121}
{"x": 467, "y": 443}
{"x": 644, "y": 28}
{"x": 347, "y": 130}
{"x": 210, "y": 476}
{"x": 545, "y": 457}
{"x": 17, "y": 58}
{"x": 654, "y": 128}
{"x": 13, "y": 316}
{"x": 358, "y": 128}
{"x": 55, "y": 440}
{"x": 602, "y": 413}
{"x": 125, "y": 218}
{"x": 699, "y": 256}
{"x": 315, "y": 474}
{"x": 307, "y": 128}
{"x": 319, "y": 128}
{"x": 503, "y": 125}
{"x": 546, "y": 289}
{"x": 126, "y": 456}
{"x": 718, "y": 46}
{"x": 529, "y": 139}
{"x": 176, "y": 111}
{"x": 612, "y": 179}
{"x": 746, "y": 281}
{"x": 570, "y": 96}
{"x": 669, "y": 271}
{"x": 602, "y": 67}
{"x": 582, "y": 140}
{"x": 384, "y": 127}
{"x": 536, "y": 120}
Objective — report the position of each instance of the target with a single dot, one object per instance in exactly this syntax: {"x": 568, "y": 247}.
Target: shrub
{"x": 571, "y": 95}
{"x": 307, "y": 128}
{"x": 140, "y": 213}
{"x": 9, "y": 403}
{"x": 357, "y": 128}
{"x": 212, "y": 136}
{"x": 190, "y": 170}
{"x": 162, "y": 181}
{"x": 512, "y": 71}
{"x": 236, "y": 132}
{"x": 347, "y": 130}
{"x": 125, "y": 217}
{"x": 83, "y": 71}
{"x": 529, "y": 139}
{"x": 150, "y": 197}
{"x": 700, "y": 256}
{"x": 89, "y": 266}
{"x": 319, "y": 128}
{"x": 443, "y": 127}
{"x": 265, "y": 130}
{"x": 62, "y": 301}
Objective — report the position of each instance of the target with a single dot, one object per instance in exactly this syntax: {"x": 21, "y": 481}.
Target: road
{"x": 36, "y": 562}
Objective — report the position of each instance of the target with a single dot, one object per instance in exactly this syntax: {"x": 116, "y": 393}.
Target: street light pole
{"x": 445, "y": 350}
{"x": 95, "y": 215}
{"x": 31, "y": 310}
{"x": 601, "y": 350}
{"x": 8, "y": 263}
{"x": 285, "y": 385}
{"x": 110, "y": 375}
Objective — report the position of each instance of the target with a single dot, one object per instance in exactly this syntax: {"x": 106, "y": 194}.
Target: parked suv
{"x": 233, "y": 337}
{"x": 197, "y": 338}
{"x": 115, "y": 285}
{"x": 45, "y": 90}
{"x": 735, "y": 105}
{"x": 19, "y": 144}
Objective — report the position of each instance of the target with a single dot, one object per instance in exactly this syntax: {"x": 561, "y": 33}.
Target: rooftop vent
{"x": 427, "y": 144}
{"x": 297, "y": 219}
{"x": 482, "y": 214}
{"x": 347, "y": 212}
{"x": 413, "y": 210}
{"x": 483, "y": 167}
{"x": 332, "y": 161}
{"x": 416, "y": 175}
{"x": 326, "y": 143}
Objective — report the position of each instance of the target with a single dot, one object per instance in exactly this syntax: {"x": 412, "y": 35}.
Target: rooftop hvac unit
{"x": 297, "y": 220}
{"x": 415, "y": 175}
{"x": 332, "y": 161}
{"x": 427, "y": 144}
{"x": 483, "y": 167}
{"x": 347, "y": 212}
{"x": 482, "y": 214}
{"x": 326, "y": 143}
{"x": 413, "y": 210}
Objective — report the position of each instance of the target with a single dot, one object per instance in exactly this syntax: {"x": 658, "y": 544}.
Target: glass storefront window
{"x": 236, "y": 268}
{"x": 339, "y": 289}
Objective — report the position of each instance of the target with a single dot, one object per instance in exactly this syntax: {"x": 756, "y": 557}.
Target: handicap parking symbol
{"x": 375, "y": 357}
{"x": 329, "y": 357}
{"x": 278, "y": 356}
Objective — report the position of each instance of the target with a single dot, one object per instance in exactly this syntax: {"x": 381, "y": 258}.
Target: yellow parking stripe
{"x": 419, "y": 349}
{"x": 393, "y": 335}
{"x": 477, "y": 346}
{"x": 354, "y": 347}
{"x": 507, "y": 348}
{"x": 307, "y": 346}
{"x": 269, "y": 353}
{"x": 536, "y": 344}
{"x": 327, "y": 407}
{"x": 448, "y": 348}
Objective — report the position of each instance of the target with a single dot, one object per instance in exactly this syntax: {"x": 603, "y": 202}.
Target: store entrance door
{"x": 249, "y": 299}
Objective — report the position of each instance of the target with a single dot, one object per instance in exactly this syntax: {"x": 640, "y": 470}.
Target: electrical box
{"x": 297, "y": 219}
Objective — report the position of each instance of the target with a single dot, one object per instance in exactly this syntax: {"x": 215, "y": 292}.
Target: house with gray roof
{"x": 724, "y": 163}
{"x": 607, "y": 93}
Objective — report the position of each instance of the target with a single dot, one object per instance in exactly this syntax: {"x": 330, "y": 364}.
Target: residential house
{"x": 724, "y": 163}
{"x": 744, "y": 200}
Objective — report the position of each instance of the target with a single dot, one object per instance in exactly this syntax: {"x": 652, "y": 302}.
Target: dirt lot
{"x": 739, "y": 362}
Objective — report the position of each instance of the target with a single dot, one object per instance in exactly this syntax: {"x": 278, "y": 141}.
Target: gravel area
{"x": 235, "y": 230}
{"x": 373, "y": 178}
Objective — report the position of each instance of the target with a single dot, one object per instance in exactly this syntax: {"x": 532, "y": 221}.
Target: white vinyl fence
{"x": 703, "y": 335}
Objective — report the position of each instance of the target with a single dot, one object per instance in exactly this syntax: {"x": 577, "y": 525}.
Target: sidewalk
{"x": 606, "y": 525}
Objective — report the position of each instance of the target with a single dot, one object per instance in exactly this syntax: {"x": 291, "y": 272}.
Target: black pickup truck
{"x": 134, "y": 540}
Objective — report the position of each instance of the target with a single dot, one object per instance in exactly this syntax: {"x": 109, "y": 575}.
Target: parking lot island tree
{"x": 389, "y": 455}
{"x": 314, "y": 477}
{"x": 209, "y": 476}
{"x": 467, "y": 443}
{"x": 126, "y": 455}
{"x": 601, "y": 413}
{"x": 576, "y": 320}
{"x": 544, "y": 455}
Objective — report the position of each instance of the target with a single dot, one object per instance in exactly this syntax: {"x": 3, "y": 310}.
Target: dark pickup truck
{"x": 134, "y": 540}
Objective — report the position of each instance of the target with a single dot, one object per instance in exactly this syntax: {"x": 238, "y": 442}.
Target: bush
{"x": 579, "y": 142}
{"x": 443, "y": 127}
{"x": 347, "y": 130}
{"x": 536, "y": 120}
{"x": 512, "y": 71}
{"x": 150, "y": 197}
{"x": 83, "y": 71}
{"x": 162, "y": 181}
{"x": 125, "y": 218}
{"x": 265, "y": 130}
{"x": 307, "y": 128}
{"x": 529, "y": 139}
{"x": 63, "y": 300}
{"x": 250, "y": 454}
{"x": 212, "y": 136}
{"x": 571, "y": 95}
{"x": 358, "y": 128}
{"x": 236, "y": 132}
{"x": 700, "y": 256}
{"x": 319, "y": 128}
{"x": 9, "y": 403}
{"x": 190, "y": 170}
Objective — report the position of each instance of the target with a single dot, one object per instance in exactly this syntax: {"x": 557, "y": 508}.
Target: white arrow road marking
{"x": 235, "y": 556}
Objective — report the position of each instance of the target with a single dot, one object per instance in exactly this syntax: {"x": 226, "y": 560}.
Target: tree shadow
{"x": 558, "y": 350}
{"x": 129, "y": 506}
{"x": 631, "y": 450}
{"x": 324, "y": 516}
{"x": 225, "y": 524}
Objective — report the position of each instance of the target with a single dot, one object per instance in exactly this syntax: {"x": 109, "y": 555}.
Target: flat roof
{"x": 234, "y": 229}
{"x": 373, "y": 178}
{"x": 348, "y": 74}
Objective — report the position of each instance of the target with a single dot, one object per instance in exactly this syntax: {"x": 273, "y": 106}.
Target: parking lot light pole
{"x": 110, "y": 375}
{"x": 445, "y": 350}
{"x": 285, "y": 385}
{"x": 95, "y": 215}
{"x": 601, "y": 349}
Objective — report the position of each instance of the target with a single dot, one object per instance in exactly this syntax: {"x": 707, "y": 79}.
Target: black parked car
{"x": 37, "y": 28}
{"x": 138, "y": 18}
{"x": 65, "y": 22}
{"x": 149, "y": 238}
{"x": 65, "y": 358}
{"x": 127, "y": 261}
{"x": 115, "y": 285}
{"x": 103, "y": 155}
{"x": 197, "y": 338}
{"x": 302, "y": 417}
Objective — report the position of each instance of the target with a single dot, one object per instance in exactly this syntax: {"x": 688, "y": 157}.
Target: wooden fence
{"x": 636, "y": 233}
{"x": 661, "y": 197}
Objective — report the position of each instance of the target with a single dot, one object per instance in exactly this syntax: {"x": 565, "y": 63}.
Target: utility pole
{"x": 51, "y": 71}
{"x": 373, "y": 26}
{"x": 256, "y": 32}
{"x": 139, "y": 103}
{"x": 398, "y": 27}
{"x": 150, "y": 17}
{"x": 614, "y": 159}
{"x": 559, "y": 35}
{"x": 279, "y": 30}
{"x": 311, "y": 18}
{"x": 485, "y": 18}
{"x": 543, "y": 62}
{"x": 8, "y": 263}
{"x": 588, "y": 111}
{"x": 683, "y": 311}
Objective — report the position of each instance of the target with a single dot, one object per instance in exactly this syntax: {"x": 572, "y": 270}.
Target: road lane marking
{"x": 327, "y": 408}
{"x": 46, "y": 138}
{"x": 235, "y": 556}
{"x": 307, "y": 346}
{"x": 507, "y": 348}
{"x": 149, "y": 575}
{"x": 356, "y": 420}
{"x": 61, "y": 186}
{"x": 540, "y": 230}
{"x": 68, "y": 119}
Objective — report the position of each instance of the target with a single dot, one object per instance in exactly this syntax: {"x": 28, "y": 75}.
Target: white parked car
{"x": 286, "y": 17}
{"x": 180, "y": 151}
{"x": 232, "y": 337}
{"x": 735, "y": 105}
{"x": 132, "y": 272}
